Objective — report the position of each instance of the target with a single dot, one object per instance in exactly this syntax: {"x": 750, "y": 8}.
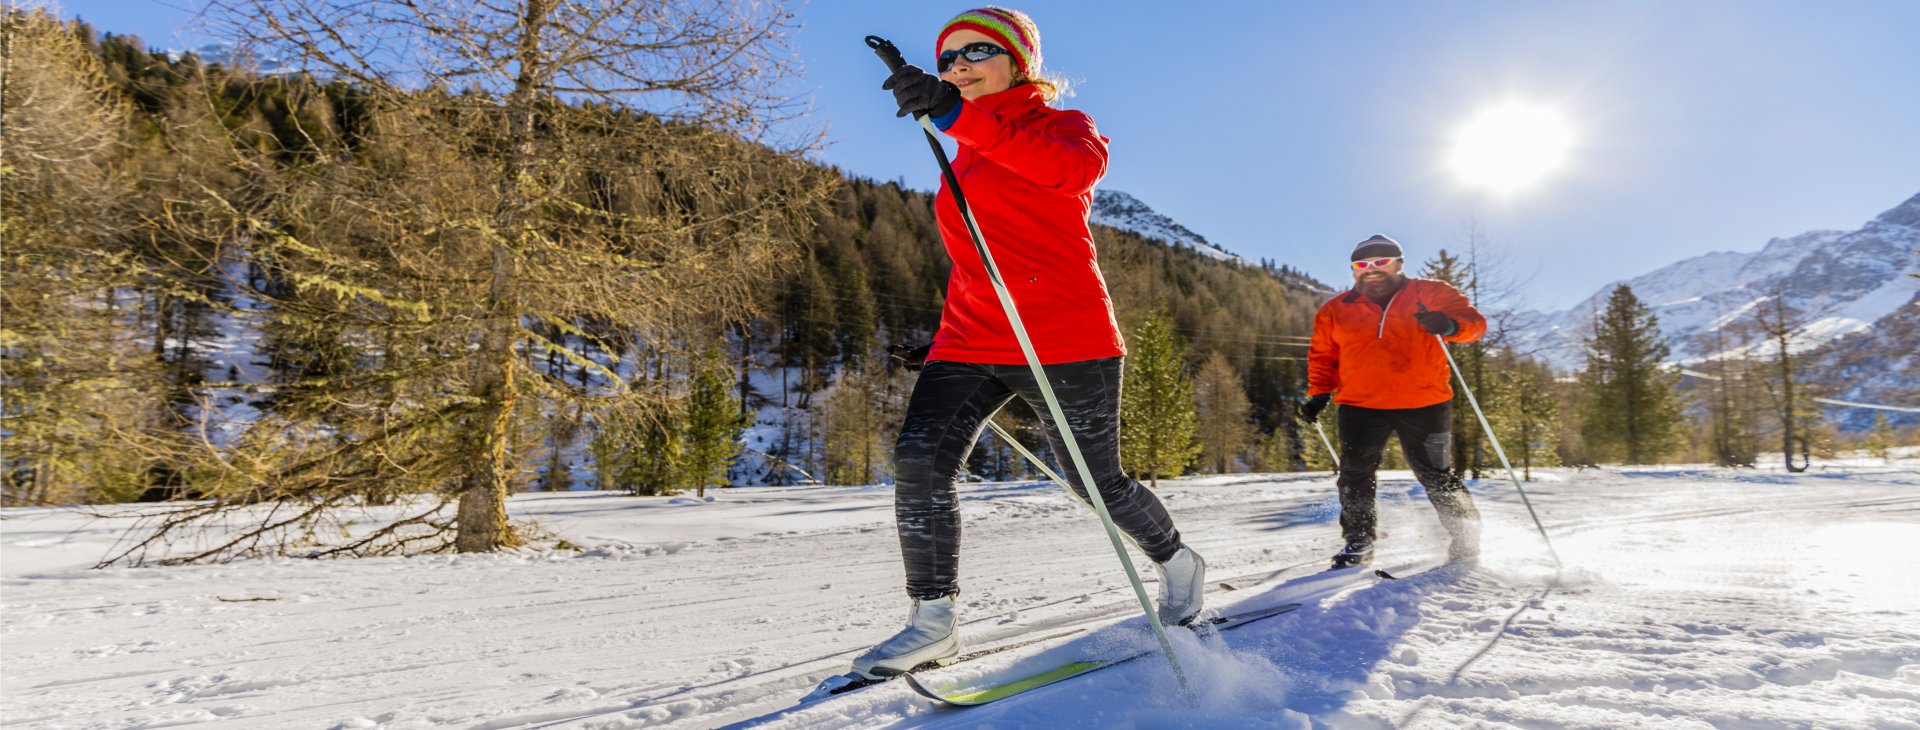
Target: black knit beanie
{"x": 1378, "y": 246}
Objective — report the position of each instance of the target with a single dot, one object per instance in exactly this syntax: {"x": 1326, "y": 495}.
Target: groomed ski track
{"x": 683, "y": 613}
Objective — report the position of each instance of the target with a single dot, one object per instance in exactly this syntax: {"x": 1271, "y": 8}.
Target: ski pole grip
{"x": 888, "y": 54}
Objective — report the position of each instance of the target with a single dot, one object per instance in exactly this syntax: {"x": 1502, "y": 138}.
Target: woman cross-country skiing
{"x": 1028, "y": 171}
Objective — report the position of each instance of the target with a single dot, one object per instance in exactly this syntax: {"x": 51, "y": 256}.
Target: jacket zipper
{"x": 1382, "y": 332}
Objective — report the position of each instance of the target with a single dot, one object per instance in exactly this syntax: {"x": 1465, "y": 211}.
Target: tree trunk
{"x": 482, "y": 517}
{"x": 1526, "y": 445}
{"x": 1786, "y": 395}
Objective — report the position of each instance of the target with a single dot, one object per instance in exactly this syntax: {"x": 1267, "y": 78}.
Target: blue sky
{"x": 1290, "y": 130}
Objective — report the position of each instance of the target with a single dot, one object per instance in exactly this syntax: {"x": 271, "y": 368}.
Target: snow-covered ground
{"x": 1692, "y": 597}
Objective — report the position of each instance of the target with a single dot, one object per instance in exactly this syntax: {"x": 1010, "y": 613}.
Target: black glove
{"x": 1311, "y": 409}
{"x": 918, "y": 92}
{"x": 1436, "y": 323}
{"x": 912, "y": 357}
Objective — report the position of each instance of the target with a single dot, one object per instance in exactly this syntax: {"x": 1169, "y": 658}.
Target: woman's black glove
{"x": 918, "y": 92}
{"x": 912, "y": 357}
{"x": 1436, "y": 323}
{"x": 1311, "y": 409}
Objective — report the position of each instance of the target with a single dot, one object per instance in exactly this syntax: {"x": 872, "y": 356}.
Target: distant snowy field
{"x": 1693, "y": 597}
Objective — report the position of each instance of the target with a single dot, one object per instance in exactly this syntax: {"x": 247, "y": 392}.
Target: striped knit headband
{"x": 1011, "y": 29}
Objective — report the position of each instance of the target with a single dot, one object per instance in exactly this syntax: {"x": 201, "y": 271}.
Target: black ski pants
{"x": 950, "y": 407}
{"x": 1426, "y": 438}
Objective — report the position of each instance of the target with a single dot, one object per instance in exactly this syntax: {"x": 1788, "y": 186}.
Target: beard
{"x": 1379, "y": 287}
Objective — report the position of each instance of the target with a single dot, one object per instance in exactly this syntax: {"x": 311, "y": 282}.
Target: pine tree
{"x": 1221, "y": 404}
{"x": 1449, "y": 268}
{"x": 809, "y": 316}
{"x": 712, "y": 425}
{"x": 855, "y": 427}
{"x": 1631, "y": 407}
{"x": 637, "y": 446}
{"x": 1731, "y": 402}
{"x": 1881, "y": 440}
{"x": 1528, "y": 416}
{"x": 1274, "y": 452}
{"x": 1157, "y": 418}
{"x": 1783, "y": 324}
{"x": 854, "y": 310}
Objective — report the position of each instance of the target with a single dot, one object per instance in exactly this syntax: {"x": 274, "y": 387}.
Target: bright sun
{"x": 1510, "y": 147}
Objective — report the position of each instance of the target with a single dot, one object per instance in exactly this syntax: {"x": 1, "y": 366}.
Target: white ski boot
{"x": 1183, "y": 585}
{"x": 1465, "y": 546}
{"x": 931, "y": 637}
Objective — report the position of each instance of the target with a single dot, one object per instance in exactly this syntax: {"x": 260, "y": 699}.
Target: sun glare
{"x": 1510, "y": 147}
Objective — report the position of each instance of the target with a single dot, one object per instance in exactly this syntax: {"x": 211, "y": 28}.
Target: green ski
{"x": 984, "y": 695}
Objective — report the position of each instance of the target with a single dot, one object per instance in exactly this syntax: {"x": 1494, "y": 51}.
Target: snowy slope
{"x": 1120, "y": 210}
{"x": 1845, "y": 280}
{"x": 1692, "y": 598}
{"x": 1880, "y": 364}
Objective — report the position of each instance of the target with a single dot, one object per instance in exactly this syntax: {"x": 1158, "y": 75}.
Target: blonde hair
{"x": 1052, "y": 88}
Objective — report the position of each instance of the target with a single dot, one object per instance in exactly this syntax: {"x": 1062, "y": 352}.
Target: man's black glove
{"x": 1311, "y": 409}
{"x": 912, "y": 357}
{"x": 1436, "y": 323}
{"x": 918, "y": 92}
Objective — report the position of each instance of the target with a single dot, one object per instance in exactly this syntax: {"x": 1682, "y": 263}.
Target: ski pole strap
{"x": 889, "y": 54}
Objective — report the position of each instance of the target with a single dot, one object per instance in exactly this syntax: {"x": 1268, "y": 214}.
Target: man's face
{"x": 1378, "y": 278}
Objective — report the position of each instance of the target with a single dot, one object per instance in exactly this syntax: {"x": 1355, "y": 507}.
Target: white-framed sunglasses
{"x": 1364, "y": 264}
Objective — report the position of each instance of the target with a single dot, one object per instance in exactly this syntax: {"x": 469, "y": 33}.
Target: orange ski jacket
{"x": 1380, "y": 357}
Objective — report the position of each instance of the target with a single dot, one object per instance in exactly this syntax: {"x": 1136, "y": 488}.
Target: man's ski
{"x": 1070, "y": 670}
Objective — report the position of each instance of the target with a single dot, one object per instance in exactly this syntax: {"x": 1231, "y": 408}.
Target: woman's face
{"x": 977, "y": 79}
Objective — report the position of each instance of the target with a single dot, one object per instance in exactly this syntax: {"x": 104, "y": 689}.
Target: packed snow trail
{"x": 1693, "y": 598}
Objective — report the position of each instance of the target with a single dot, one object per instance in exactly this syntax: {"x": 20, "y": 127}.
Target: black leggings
{"x": 951, "y": 404}
{"x": 1426, "y": 438}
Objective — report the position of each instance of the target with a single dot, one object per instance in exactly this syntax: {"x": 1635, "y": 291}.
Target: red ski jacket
{"x": 1028, "y": 172}
{"x": 1380, "y": 357}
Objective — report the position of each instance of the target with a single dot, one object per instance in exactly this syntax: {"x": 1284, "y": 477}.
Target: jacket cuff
{"x": 946, "y": 120}
{"x": 972, "y": 128}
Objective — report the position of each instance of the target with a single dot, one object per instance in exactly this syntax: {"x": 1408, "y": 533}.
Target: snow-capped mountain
{"x": 1125, "y": 212}
{"x": 1844, "y": 281}
{"x": 1880, "y": 364}
{"x": 226, "y": 54}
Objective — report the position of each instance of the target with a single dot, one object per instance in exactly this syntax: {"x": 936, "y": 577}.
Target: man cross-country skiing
{"x": 1375, "y": 353}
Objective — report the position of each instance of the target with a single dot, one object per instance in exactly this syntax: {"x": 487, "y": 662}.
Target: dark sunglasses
{"x": 974, "y": 53}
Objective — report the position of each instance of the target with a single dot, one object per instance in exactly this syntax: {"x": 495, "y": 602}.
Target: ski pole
{"x": 1042, "y": 466}
{"x": 1329, "y": 444}
{"x": 890, "y": 55}
{"x": 1475, "y": 402}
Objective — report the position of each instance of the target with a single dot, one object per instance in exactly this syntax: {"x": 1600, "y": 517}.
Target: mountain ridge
{"x": 1853, "y": 287}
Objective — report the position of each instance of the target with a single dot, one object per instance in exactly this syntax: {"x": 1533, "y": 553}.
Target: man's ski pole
{"x": 1329, "y": 444}
{"x": 891, "y": 56}
{"x": 1475, "y": 402}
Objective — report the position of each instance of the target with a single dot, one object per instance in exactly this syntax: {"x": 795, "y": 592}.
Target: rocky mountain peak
{"x": 1905, "y": 214}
